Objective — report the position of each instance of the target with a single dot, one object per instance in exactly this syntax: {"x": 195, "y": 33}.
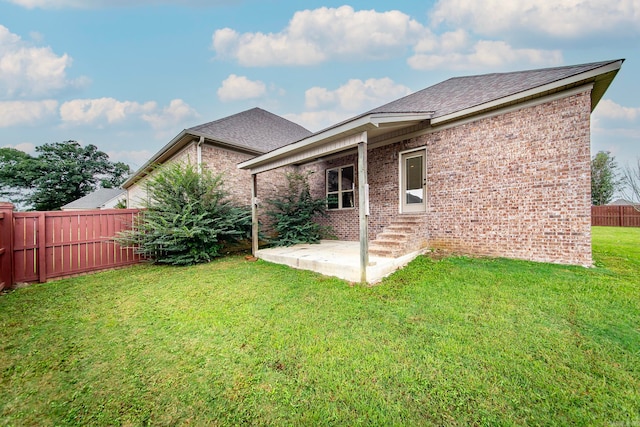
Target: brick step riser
{"x": 397, "y": 238}
{"x": 386, "y": 244}
{"x": 393, "y": 236}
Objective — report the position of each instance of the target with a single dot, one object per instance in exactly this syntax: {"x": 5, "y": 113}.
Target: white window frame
{"x": 341, "y": 190}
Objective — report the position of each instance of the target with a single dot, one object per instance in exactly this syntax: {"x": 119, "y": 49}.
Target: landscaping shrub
{"x": 187, "y": 219}
{"x": 294, "y": 212}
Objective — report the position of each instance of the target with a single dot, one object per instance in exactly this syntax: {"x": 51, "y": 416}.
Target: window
{"x": 340, "y": 185}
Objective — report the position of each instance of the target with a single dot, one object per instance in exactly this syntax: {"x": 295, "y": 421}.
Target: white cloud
{"x": 558, "y": 18}
{"x": 90, "y": 111}
{"x": 27, "y": 70}
{"x": 135, "y": 158}
{"x": 14, "y": 113}
{"x": 610, "y": 110}
{"x": 318, "y": 120}
{"x": 172, "y": 115}
{"x": 239, "y": 87}
{"x": 356, "y": 95}
{"x": 456, "y": 50}
{"x": 315, "y": 36}
{"x": 26, "y": 147}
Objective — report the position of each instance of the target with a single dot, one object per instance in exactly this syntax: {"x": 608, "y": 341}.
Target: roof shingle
{"x": 460, "y": 93}
{"x": 254, "y": 129}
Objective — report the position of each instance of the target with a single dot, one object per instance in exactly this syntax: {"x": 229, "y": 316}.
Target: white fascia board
{"x": 138, "y": 174}
{"x": 380, "y": 120}
{"x": 614, "y": 66}
{"x": 358, "y": 125}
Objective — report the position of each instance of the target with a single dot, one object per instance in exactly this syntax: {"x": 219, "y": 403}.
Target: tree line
{"x": 607, "y": 178}
{"x": 62, "y": 172}
{"x": 59, "y": 173}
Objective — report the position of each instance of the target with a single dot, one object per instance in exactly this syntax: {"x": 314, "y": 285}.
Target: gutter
{"x": 199, "y": 154}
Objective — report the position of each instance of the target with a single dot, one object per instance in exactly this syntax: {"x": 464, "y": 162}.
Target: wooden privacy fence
{"x": 615, "y": 216}
{"x": 37, "y": 246}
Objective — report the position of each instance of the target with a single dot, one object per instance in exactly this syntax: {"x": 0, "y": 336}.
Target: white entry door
{"x": 413, "y": 181}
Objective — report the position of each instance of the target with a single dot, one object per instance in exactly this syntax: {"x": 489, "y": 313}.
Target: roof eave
{"x": 359, "y": 124}
{"x": 171, "y": 147}
{"x": 176, "y": 144}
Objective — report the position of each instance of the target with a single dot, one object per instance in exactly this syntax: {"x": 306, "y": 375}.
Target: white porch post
{"x": 254, "y": 214}
{"x": 363, "y": 207}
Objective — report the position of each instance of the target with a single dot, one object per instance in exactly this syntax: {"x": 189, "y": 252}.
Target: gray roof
{"x": 455, "y": 99}
{"x": 460, "y": 93}
{"x": 96, "y": 199}
{"x": 621, "y": 202}
{"x": 254, "y": 129}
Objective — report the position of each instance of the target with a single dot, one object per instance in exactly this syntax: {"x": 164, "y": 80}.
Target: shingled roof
{"x": 454, "y": 99}
{"x": 95, "y": 200}
{"x": 460, "y": 93}
{"x": 254, "y": 129}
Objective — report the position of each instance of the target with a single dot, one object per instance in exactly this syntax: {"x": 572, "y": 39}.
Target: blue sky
{"x": 129, "y": 75}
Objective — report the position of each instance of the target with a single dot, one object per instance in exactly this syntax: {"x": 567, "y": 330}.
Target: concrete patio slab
{"x": 335, "y": 258}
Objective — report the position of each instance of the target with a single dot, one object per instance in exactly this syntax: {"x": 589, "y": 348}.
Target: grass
{"x": 457, "y": 341}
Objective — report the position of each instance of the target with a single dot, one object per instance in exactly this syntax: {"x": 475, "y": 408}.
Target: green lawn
{"x": 457, "y": 341}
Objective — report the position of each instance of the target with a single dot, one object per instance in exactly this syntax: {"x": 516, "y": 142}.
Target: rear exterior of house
{"x": 496, "y": 165}
{"x": 515, "y": 184}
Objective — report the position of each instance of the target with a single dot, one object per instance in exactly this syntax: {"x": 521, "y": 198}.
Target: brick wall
{"x": 514, "y": 185}
{"x": 237, "y": 182}
{"x": 218, "y": 160}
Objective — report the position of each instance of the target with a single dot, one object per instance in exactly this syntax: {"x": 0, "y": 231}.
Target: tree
{"x": 14, "y": 165}
{"x": 604, "y": 178}
{"x": 187, "y": 219}
{"x": 60, "y": 173}
{"x": 293, "y": 214}
{"x": 631, "y": 181}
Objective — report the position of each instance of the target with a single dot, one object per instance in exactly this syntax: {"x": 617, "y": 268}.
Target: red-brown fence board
{"x": 55, "y": 244}
{"x": 615, "y": 216}
{"x": 6, "y": 245}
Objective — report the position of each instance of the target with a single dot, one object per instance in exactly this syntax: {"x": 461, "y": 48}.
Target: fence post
{"x": 6, "y": 245}
{"x": 42, "y": 248}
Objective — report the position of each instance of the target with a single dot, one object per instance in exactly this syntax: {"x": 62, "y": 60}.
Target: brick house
{"x": 219, "y": 146}
{"x": 495, "y": 164}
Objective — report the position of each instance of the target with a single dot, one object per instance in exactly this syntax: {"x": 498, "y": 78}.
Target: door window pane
{"x": 414, "y": 180}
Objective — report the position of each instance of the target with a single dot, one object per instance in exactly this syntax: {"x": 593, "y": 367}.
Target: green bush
{"x": 293, "y": 213}
{"x": 187, "y": 219}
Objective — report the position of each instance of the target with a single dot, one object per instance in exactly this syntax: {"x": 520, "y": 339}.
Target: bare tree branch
{"x": 631, "y": 181}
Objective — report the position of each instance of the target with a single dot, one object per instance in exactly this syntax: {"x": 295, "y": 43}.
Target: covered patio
{"x": 335, "y": 258}
{"x": 353, "y": 261}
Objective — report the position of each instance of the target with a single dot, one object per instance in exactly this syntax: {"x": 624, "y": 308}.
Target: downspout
{"x": 199, "y": 154}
